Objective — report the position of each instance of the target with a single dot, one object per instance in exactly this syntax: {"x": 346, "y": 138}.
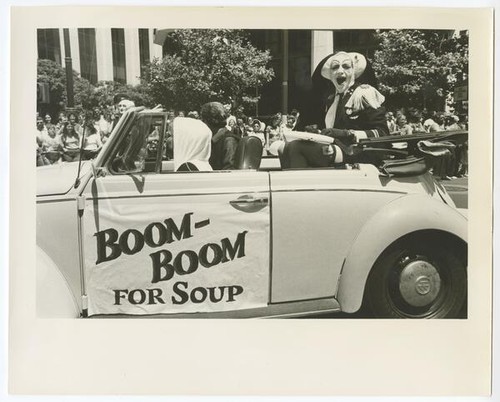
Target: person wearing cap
{"x": 347, "y": 107}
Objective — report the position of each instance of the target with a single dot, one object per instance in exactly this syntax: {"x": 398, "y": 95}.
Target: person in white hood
{"x": 192, "y": 144}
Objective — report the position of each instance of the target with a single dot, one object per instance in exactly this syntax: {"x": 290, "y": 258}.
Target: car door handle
{"x": 250, "y": 200}
{"x": 250, "y": 203}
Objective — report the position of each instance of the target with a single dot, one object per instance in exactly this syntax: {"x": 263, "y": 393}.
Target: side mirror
{"x": 97, "y": 172}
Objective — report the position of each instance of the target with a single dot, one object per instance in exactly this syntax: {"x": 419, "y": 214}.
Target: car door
{"x": 317, "y": 214}
{"x": 161, "y": 242}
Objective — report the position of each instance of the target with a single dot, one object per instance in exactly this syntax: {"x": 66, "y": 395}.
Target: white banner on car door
{"x": 154, "y": 256}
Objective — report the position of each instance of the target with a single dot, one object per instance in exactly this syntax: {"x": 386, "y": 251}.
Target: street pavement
{"x": 458, "y": 190}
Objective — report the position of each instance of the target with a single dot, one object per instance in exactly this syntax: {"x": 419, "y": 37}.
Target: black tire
{"x": 419, "y": 278}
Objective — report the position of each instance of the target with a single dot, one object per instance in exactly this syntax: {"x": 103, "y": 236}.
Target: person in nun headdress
{"x": 192, "y": 145}
{"x": 347, "y": 107}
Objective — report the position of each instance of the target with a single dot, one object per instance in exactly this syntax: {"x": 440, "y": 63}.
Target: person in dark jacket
{"x": 224, "y": 141}
{"x": 347, "y": 107}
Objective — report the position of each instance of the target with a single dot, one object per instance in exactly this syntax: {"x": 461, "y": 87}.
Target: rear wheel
{"x": 418, "y": 278}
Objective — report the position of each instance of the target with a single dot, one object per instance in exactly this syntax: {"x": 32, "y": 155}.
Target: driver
{"x": 352, "y": 110}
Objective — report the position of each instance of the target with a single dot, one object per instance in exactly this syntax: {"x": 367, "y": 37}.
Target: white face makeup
{"x": 341, "y": 71}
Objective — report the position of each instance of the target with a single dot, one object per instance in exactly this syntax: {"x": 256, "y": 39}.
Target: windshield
{"x": 138, "y": 147}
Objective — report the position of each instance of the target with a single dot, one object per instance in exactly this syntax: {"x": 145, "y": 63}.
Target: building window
{"x": 299, "y": 67}
{"x": 118, "y": 47}
{"x": 356, "y": 40}
{"x": 49, "y": 45}
{"x": 143, "y": 48}
{"x": 88, "y": 55}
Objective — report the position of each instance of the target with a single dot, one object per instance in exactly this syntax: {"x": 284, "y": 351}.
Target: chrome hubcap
{"x": 419, "y": 283}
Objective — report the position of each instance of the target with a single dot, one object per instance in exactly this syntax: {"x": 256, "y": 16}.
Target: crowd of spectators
{"x": 74, "y": 133}
{"x": 269, "y": 129}
{"x": 83, "y": 135}
{"x": 413, "y": 122}
{"x": 64, "y": 141}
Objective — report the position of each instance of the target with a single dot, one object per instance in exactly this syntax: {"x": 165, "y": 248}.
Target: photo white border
{"x": 302, "y": 327}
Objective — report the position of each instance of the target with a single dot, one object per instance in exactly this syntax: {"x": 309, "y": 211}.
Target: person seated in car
{"x": 224, "y": 142}
{"x": 347, "y": 107}
{"x": 192, "y": 145}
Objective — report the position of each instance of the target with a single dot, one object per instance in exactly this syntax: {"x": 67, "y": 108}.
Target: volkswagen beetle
{"x": 125, "y": 235}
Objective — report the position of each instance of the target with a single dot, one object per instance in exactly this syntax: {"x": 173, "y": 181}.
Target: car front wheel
{"x": 418, "y": 278}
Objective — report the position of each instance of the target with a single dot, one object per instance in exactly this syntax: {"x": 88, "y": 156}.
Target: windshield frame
{"x": 124, "y": 131}
{"x": 108, "y": 149}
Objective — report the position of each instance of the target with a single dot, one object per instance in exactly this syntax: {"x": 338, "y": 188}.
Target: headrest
{"x": 248, "y": 153}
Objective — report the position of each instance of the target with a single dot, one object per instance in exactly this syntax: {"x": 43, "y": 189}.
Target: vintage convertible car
{"x": 125, "y": 235}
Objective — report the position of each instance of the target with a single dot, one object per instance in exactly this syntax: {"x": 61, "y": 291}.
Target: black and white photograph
{"x": 253, "y": 182}
{"x": 252, "y": 173}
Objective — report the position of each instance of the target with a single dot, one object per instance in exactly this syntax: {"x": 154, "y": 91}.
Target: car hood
{"x": 58, "y": 179}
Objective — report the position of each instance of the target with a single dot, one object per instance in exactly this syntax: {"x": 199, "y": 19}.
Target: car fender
{"x": 54, "y": 298}
{"x": 404, "y": 215}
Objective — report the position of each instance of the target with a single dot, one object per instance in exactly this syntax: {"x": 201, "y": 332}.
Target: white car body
{"x": 320, "y": 233}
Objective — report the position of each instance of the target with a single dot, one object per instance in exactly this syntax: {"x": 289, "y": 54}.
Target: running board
{"x": 278, "y": 310}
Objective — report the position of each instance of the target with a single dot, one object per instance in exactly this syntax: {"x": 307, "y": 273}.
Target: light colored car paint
{"x": 57, "y": 299}
{"x": 396, "y": 219}
{"x": 60, "y": 178}
{"x": 342, "y": 219}
{"x": 316, "y": 217}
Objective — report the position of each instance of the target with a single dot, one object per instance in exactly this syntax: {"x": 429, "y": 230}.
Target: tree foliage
{"x": 208, "y": 65}
{"x": 86, "y": 96}
{"x": 102, "y": 94}
{"x": 420, "y": 68}
{"x": 54, "y": 75}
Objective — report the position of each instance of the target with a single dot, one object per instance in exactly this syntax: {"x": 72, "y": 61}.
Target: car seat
{"x": 248, "y": 153}
{"x": 187, "y": 167}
